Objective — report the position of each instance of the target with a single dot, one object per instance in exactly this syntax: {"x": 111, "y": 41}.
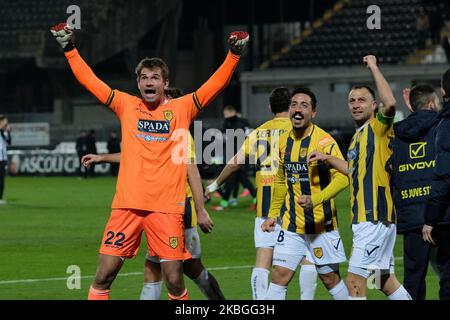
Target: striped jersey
{"x": 370, "y": 192}
{"x": 190, "y": 214}
{"x": 258, "y": 149}
{"x": 295, "y": 178}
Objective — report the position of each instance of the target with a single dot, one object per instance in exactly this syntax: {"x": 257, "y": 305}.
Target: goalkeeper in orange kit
{"x": 142, "y": 202}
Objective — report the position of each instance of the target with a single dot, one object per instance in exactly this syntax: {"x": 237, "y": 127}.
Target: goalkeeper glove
{"x": 63, "y": 33}
{"x": 238, "y": 41}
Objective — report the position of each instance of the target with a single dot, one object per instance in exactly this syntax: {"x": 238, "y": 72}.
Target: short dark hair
{"x": 152, "y": 63}
{"x": 2, "y": 117}
{"x": 446, "y": 84}
{"x": 229, "y": 108}
{"x": 308, "y": 92}
{"x": 421, "y": 95}
{"x": 279, "y": 100}
{"x": 174, "y": 92}
{"x": 372, "y": 93}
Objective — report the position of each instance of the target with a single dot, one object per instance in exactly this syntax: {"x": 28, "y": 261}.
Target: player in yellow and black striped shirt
{"x": 373, "y": 219}
{"x": 257, "y": 149}
{"x": 310, "y": 221}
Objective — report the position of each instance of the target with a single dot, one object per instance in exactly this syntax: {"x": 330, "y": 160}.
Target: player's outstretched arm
{"x": 220, "y": 79}
{"x": 64, "y": 35}
{"x": 91, "y": 159}
{"x": 333, "y": 162}
{"x": 232, "y": 166}
{"x": 383, "y": 88}
{"x": 195, "y": 182}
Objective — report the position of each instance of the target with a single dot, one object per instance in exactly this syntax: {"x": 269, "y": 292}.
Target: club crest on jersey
{"x": 318, "y": 252}
{"x": 351, "y": 155}
{"x": 303, "y": 152}
{"x": 173, "y": 242}
{"x": 154, "y": 126}
{"x": 168, "y": 115}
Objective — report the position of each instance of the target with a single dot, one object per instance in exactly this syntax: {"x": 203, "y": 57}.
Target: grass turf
{"x": 51, "y": 223}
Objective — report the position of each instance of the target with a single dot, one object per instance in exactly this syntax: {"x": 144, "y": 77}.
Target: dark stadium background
{"x": 314, "y": 43}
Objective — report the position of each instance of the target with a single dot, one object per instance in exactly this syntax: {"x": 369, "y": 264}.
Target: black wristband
{"x": 69, "y": 47}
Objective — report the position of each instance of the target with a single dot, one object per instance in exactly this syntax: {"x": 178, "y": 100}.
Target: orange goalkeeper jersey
{"x": 148, "y": 178}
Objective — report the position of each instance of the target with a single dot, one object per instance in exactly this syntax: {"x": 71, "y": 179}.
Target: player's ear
{"x": 314, "y": 113}
{"x": 166, "y": 83}
{"x": 374, "y": 106}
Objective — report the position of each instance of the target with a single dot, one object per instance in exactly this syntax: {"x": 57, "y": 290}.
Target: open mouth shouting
{"x": 297, "y": 118}
{"x": 150, "y": 93}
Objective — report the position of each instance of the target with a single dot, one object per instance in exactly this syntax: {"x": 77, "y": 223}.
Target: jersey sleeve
{"x": 338, "y": 181}
{"x": 213, "y": 86}
{"x": 248, "y": 147}
{"x": 381, "y": 124}
{"x": 191, "y": 150}
{"x": 87, "y": 78}
{"x": 280, "y": 188}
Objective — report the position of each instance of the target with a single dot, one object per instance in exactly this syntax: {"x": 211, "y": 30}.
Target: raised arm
{"x": 83, "y": 73}
{"x": 220, "y": 79}
{"x": 383, "y": 88}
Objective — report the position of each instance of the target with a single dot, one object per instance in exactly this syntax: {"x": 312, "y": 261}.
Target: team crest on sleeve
{"x": 351, "y": 154}
{"x": 173, "y": 242}
{"x": 168, "y": 115}
{"x": 325, "y": 141}
{"x": 318, "y": 252}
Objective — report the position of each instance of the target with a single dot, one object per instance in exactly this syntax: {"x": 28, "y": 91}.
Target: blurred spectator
{"x": 5, "y": 139}
{"x": 446, "y": 9}
{"x": 234, "y": 122}
{"x": 113, "y": 147}
{"x": 174, "y": 92}
{"x": 81, "y": 146}
{"x": 446, "y": 46}
{"x": 436, "y": 22}
{"x": 91, "y": 148}
{"x": 423, "y": 27}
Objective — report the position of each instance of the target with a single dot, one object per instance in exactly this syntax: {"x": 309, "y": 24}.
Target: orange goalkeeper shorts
{"x": 164, "y": 233}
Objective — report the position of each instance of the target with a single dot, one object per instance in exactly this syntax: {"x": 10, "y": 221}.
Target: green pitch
{"x": 50, "y": 224}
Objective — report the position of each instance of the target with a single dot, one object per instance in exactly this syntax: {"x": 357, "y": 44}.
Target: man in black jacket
{"x": 81, "y": 145}
{"x": 412, "y": 173}
{"x": 439, "y": 199}
{"x": 234, "y": 122}
{"x": 5, "y": 140}
{"x": 113, "y": 146}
